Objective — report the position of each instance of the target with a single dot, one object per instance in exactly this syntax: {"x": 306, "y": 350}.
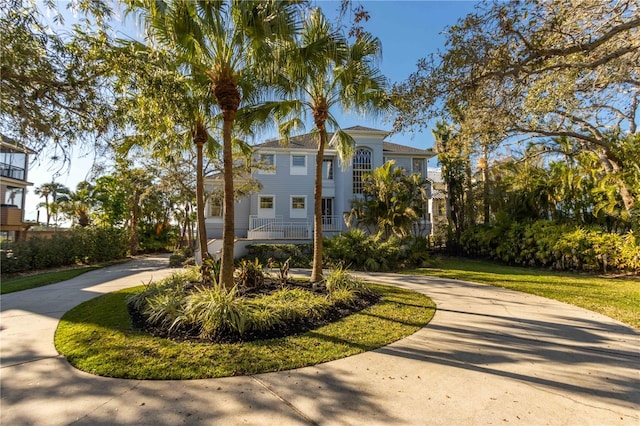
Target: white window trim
{"x": 210, "y": 216}
{"x": 271, "y": 171}
{"x": 297, "y": 213}
{"x": 298, "y": 170}
{"x": 262, "y": 212}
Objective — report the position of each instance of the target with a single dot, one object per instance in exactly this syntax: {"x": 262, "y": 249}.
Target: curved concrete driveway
{"x": 489, "y": 356}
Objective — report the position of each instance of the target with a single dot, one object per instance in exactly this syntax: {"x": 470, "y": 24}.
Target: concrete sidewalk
{"x": 489, "y": 356}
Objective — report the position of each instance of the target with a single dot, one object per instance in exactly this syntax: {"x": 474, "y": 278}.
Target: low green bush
{"x": 559, "y": 246}
{"x": 82, "y": 245}
{"x": 300, "y": 255}
{"x": 357, "y": 250}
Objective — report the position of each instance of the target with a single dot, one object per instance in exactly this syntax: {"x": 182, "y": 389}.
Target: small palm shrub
{"x": 374, "y": 253}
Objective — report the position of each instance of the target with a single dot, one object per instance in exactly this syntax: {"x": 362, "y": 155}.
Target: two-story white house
{"x": 282, "y": 210}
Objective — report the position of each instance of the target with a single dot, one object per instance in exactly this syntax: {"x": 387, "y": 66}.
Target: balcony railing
{"x": 7, "y": 170}
{"x": 10, "y": 216}
{"x": 276, "y": 228}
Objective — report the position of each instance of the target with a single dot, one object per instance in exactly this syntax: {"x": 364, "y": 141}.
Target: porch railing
{"x": 256, "y": 223}
{"x": 331, "y": 223}
{"x": 276, "y": 228}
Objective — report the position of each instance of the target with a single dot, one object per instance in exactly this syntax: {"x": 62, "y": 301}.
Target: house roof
{"x": 309, "y": 141}
{"x": 403, "y": 149}
{"x": 365, "y": 129}
{"x": 306, "y": 141}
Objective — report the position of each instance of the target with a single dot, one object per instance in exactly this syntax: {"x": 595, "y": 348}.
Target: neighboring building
{"x": 14, "y": 162}
{"x": 283, "y": 208}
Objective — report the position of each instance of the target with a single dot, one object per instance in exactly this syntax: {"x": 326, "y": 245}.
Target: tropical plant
{"x": 393, "y": 202}
{"x": 54, "y": 194}
{"x": 322, "y": 71}
{"x": 231, "y": 44}
{"x": 510, "y": 73}
{"x": 250, "y": 274}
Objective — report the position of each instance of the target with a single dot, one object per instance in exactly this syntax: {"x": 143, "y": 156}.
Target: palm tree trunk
{"x": 202, "y": 230}
{"x": 316, "y": 272}
{"x": 228, "y": 231}
{"x": 48, "y": 209}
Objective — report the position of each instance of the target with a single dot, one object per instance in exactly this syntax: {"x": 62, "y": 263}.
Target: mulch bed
{"x": 334, "y": 313}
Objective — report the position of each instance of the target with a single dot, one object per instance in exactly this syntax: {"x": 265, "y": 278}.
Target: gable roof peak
{"x": 364, "y": 129}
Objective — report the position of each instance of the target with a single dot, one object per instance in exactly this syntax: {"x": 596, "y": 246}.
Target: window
{"x": 215, "y": 209}
{"x": 13, "y": 196}
{"x": 327, "y": 169}
{"x": 12, "y": 164}
{"x": 266, "y": 202}
{"x": 299, "y": 161}
{"x": 417, "y": 164}
{"x": 267, "y": 206}
{"x": 268, "y": 161}
{"x": 298, "y": 202}
{"x": 361, "y": 166}
{"x": 298, "y": 164}
{"x": 298, "y": 206}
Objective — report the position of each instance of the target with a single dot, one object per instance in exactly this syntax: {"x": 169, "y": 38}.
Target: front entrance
{"x": 327, "y": 211}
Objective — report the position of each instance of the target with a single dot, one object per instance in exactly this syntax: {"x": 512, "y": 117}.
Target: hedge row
{"x": 300, "y": 255}
{"x": 554, "y": 245}
{"x": 83, "y": 245}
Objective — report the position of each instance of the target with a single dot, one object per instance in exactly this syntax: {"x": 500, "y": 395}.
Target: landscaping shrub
{"x": 250, "y": 274}
{"x": 82, "y": 245}
{"x": 300, "y": 255}
{"x": 554, "y": 245}
{"x": 178, "y": 306}
{"x": 356, "y": 250}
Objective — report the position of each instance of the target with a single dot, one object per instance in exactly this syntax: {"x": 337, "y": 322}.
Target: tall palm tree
{"x": 230, "y": 42}
{"x": 78, "y": 203}
{"x": 55, "y": 192}
{"x": 323, "y": 72}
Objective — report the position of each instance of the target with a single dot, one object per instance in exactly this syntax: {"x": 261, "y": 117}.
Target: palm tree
{"x": 79, "y": 203}
{"x": 393, "y": 201}
{"x": 322, "y": 72}
{"x": 51, "y": 191}
{"x": 230, "y": 42}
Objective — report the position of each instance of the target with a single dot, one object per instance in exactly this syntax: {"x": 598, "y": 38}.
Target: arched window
{"x": 361, "y": 166}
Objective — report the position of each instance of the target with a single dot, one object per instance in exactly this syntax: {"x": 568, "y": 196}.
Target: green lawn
{"x": 38, "y": 280}
{"x": 617, "y": 298}
{"x": 97, "y": 337}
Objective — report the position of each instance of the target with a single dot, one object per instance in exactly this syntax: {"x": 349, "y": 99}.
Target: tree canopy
{"x": 52, "y": 93}
{"x": 532, "y": 71}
